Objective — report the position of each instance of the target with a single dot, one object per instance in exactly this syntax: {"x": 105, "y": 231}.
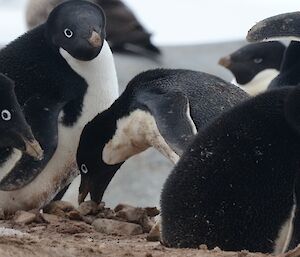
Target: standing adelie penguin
{"x": 236, "y": 186}
{"x": 161, "y": 108}
{"x": 14, "y": 130}
{"x": 283, "y": 26}
{"x": 124, "y": 31}
{"x": 254, "y": 66}
{"x": 67, "y": 64}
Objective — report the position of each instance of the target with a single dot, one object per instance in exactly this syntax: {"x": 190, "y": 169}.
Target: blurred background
{"x": 191, "y": 34}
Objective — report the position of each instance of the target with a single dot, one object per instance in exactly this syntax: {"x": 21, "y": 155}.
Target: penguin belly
{"x": 100, "y": 75}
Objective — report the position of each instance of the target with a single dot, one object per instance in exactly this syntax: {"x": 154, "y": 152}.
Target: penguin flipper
{"x": 42, "y": 115}
{"x": 171, "y": 112}
{"x": 278, "y": 27}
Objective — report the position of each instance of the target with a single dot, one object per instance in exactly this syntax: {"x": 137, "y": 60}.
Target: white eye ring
{"x": 6, "y": 115}
{"x": 68, "y": 33}
{"x": 258, "y": 60}
{"x": 84, "y": 168}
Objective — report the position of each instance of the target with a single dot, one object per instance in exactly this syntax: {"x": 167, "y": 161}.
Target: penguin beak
{"x": 84, "y": 189}
{"x": 283, "y": 26}
{"x": 95, "y": 40}
{"x": 225, "y": 61}
{"x": 33, "y": 148}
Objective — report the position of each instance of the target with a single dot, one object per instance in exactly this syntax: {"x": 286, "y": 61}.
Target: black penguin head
{"x": 248, "y": 61}
{"x": 78, "y": 27}
{"x": 282, "y": 26}
{"x": 95, "y": 173}
{"x": 14, "y": 130}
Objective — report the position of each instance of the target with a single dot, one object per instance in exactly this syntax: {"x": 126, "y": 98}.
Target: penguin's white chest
{"x": 102, "y": 90}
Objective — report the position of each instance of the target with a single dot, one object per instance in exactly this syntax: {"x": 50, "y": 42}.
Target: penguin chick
{"x": 235, "y": 187}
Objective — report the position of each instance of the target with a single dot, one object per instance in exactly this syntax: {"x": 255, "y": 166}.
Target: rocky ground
{"x": 94, "y": 231}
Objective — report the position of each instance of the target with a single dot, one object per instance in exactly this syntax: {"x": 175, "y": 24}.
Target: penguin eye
{"x": 84, "y": 168}
{"x": 258, "y": 60}
{"x": 68, "y": 33}
{"x": 5, "y": 115}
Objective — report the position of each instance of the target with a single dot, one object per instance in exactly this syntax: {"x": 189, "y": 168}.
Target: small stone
{"x": 24, "y": 217}
{"x": 74, "y": 215}
{"x": 154, "y": 234}
{"x": 50, "y": 218}
{"x": 89, "y": 219}
{"x": 203, "y": 247}
{"x": 107, "y": 213}
{"x": 101, "y": 206}
{"x": 152, "y": 211}
{"x": 88, "y": 207}
{"x": 58, "y": 208}
{"x": 130, "y": 213}
{"x": 2, "y": 214}
{"x": 108, "y": 226}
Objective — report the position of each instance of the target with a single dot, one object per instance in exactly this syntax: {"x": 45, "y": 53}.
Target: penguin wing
{"x": 282, "y": 26}
{"x": 42, "y": 115}
{"x": 171, "y": 112}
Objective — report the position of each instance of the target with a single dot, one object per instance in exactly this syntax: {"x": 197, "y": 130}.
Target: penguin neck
{"x": 100, "y": 75}
{"x": 259, "y": 83}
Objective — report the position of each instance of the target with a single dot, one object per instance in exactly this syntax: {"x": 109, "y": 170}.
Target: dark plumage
{"x": 14, "y": 130}
{"x": 236, "y": 186}
{"x": 173, "y": 100}
{"x": 124, "y": 32}
{"x": 255, "y": 65}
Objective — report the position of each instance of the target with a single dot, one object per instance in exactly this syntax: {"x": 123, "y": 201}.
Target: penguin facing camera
{"x": 161, "y": 108}
{"x": 254, "y": 66}
{"x": 281, "y": 27}
{"x": 125, "y": 34}
{"x": 64, "y": 65}
{"x": 14, "y": 129}
{"x": 235, "y": 187}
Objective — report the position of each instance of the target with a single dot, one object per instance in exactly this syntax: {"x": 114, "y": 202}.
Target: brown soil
{"x": 66, "y": 238}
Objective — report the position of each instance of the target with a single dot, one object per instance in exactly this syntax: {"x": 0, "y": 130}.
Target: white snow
{"x": 11, "y": 232}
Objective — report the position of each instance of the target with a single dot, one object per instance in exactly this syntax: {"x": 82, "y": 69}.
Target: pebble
{"x": 88, "y": 207}
{"x": 115, "y": 227}
{"x": 24, "y": 217}
{"x": 59, "y": 208}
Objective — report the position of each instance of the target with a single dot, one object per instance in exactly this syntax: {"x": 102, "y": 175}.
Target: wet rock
{"x": 154, "y": 234}
{"x": 115, "y": 227}
{"x": 88, "y": 207}
{"x": 59, "y": 208}
{"x": 24, "y": 217}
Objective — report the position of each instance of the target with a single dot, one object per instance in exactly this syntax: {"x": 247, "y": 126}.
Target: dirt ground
{"x": 66, "y": 238}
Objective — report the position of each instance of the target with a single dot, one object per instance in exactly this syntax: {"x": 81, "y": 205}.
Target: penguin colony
{"x": 235, "y": 182}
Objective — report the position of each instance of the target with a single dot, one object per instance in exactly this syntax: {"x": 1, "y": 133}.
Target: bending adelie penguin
{"x": 66, "y": 64}
{"x": 236, "y": 186}
{"x": 254, "y": 66}
{"x": 124, "y": 31}
{"x": 14, "y": 130}
{"x": 162, "y": 108}
{"x": 283, "y": 26}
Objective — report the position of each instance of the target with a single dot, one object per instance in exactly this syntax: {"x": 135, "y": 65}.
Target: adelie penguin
{"x": 280, "y": 27}
{"x": 237, "y": 184}
{"x": 124, "y": 31}
{"x": 65, "y": 64}
{"x": 14, "y": 130}
{"x": 254, "y": 66}
{"x": 161, "y": 108}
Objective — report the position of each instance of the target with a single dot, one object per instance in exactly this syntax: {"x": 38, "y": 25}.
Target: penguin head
{"x": 250, "y": 60}
{"x": 95, "y": 173}
{"x": 78, "y": 27}
{"x": 278, "y": 27}
{"x": 14, "y": 130}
